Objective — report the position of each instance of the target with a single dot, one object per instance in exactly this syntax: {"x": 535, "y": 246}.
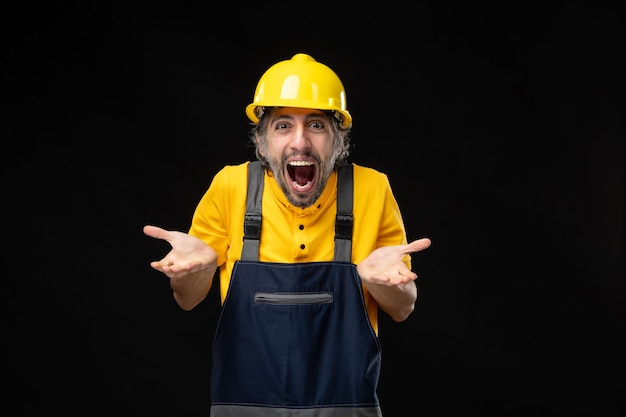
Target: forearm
{"x": 190, "y": 289}
{"x": 398, "y": 301}
{"x": 389, "y": 279}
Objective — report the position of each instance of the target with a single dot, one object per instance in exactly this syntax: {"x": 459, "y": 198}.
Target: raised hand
{"x": 384, "y": 266}
{"x": 189, "y": 254}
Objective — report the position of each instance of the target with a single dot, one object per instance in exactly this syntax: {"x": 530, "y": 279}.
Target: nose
{"x": 300, "y": 140}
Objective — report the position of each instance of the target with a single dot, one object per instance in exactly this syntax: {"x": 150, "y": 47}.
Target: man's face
{"x": 300, "y": 150}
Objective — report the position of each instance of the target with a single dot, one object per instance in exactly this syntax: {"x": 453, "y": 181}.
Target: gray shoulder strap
{"x": 252, "y": 220}
{"x": 343, "y": 223}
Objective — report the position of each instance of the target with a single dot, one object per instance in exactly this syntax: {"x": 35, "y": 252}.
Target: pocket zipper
{"x": 293, "y": 298}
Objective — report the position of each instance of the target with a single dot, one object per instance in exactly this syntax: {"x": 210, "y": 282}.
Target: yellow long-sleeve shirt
{"x": 291, "y": 234}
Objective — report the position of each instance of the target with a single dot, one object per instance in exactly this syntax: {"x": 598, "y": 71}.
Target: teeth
{"x": 300, "y": 163}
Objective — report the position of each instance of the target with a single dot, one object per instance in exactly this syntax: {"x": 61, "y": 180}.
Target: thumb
{"x": 156, "y": 232}
{"x": 417, "y": 245}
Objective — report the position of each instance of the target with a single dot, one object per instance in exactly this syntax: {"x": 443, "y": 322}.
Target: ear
{"x": 257, "y": 142}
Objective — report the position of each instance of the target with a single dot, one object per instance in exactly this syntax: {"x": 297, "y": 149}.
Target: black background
{"x": 499, "y": 125}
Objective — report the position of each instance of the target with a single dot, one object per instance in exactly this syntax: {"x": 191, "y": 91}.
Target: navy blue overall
{"x": 295, "y": 340}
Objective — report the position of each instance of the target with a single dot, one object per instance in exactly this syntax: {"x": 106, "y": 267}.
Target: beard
{"x": 278, "y": 169}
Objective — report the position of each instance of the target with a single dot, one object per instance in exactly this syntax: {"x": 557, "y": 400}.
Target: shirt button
{"x": 301, "y": 227}
{"x": 302, "y": 246}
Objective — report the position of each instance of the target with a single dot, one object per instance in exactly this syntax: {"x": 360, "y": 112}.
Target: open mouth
{"x": 301, "y": 175}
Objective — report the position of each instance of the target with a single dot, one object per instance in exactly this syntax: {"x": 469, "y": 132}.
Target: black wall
{"x": 501, "y": 128}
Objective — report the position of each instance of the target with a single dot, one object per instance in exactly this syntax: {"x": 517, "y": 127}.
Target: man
{"x": 309, "y": 247}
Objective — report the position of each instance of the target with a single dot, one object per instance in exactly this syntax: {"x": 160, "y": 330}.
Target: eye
{"x": 317, "y": 124}
{"x": 281, "y": 126}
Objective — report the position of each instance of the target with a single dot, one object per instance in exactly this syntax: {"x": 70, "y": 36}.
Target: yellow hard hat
{"x": 300, "y": 82}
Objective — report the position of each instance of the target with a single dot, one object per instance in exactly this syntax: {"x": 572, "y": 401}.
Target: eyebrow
{"x": 307, "y": 116}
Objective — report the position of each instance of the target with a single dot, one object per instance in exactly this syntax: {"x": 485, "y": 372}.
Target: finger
{"x": 155, "y": 232}
{"x": 158, "y": 265}
{"x": 417, "y": 245}
{"x": 163, "y": 265}
{"x": 407, "y": 275}
{"x": 402, "y": 277}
